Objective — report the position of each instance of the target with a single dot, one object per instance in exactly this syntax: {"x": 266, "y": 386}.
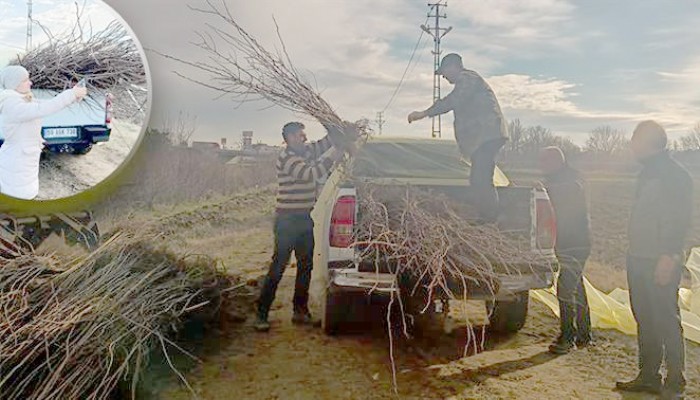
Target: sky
{"x": 569, "y": 66}
{"x": 52, "y": 16}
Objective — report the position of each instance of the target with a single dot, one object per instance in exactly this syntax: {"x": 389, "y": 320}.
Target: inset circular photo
{"x": 74, "y": 97}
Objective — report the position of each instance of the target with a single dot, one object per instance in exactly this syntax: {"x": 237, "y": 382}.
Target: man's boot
{"x": 561, "y": 346}
{"x": 673, "y": 388}
{"x": 302, "y": 317}
{"x": 641, "y": 384}
{"x": 261, "y": 324}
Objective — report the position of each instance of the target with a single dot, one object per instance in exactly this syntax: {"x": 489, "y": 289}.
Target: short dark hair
{"x": 655, "y": 132}
{"x": 291, "y": 128}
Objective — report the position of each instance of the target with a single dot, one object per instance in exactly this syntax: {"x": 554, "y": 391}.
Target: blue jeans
{"x": 293, "y": 232}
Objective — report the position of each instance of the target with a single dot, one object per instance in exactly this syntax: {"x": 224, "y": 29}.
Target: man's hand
{"x": 351, "y": 149}
{"x": 665, "y": 269}
{"x": 79, "y": 92}
{"x": 416, "y": 115}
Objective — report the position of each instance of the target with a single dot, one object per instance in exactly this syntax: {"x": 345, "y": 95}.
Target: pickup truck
{"x": 435, "y": 165}
{"x": 76, "y": 128}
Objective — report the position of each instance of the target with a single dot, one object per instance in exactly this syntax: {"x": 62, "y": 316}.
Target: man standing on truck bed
{"x": 479, "y": 126}
{"x": 660, "y": 219}
{"x": 566, "y": 190}
{"x": 299, "y": 167}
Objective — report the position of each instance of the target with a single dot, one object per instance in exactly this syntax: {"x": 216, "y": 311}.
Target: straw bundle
{"x": 75, "y": 330}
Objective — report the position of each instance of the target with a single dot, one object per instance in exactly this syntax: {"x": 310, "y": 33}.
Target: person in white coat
{"x": 21, "y": 127}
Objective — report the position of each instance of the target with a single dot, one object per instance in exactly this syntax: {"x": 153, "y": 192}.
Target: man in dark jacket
{"x": 479, "y": 126}
{"x": 659, "y": 222}
{"x": 566, "y": 191}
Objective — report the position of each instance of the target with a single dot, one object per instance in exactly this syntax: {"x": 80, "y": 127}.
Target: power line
{"x": 398, "y": 87}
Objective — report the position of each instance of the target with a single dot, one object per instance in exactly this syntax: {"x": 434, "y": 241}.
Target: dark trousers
{"x": 292, "y": 232}
{"x": 573, "y": 302}
{"x": 483, "y": 165}
{"x": 659, "y": 329}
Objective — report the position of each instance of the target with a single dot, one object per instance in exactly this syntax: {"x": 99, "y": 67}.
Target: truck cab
{"x": 436, "y": 165}
{"x": 76, "y": 128}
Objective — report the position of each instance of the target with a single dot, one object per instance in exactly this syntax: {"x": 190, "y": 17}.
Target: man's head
{"x": 450, "y": 67}
{"x": 648, "y": 139}
{"x": 551, "y": 160}
{"x": 293, "y": 134}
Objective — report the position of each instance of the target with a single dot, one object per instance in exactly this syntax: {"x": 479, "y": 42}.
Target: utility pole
{"x": 437, "y": 33}
{"x": 380, "y": 121}
{"x": 29, "y": 25}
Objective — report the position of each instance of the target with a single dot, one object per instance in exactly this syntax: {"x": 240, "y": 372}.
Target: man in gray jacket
{"x": 479, "y": 126}
{"x": 660, "y": 219}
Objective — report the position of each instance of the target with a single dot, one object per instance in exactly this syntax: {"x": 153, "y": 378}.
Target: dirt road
{"x": 293, "y": 362}
{"x": 63, "y": 175}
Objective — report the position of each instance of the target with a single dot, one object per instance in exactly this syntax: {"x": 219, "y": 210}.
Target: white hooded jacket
{"x": 21, "y": 127}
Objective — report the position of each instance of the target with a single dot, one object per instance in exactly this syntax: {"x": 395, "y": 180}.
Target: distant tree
{"x": 606, "y": 140}
{"x": 691, "y": 141}
{"x": 516, "y": 132}
{"x": 567, "y": 146}
{"x": 180, "y": 128}
{"x": 536, "y": 138}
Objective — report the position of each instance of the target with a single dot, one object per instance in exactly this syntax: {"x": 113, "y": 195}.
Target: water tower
{"x": 247, "y": 139}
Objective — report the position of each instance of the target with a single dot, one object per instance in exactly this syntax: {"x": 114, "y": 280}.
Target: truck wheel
{"x": 82, "y": 150}
{"x": 334, "y": 310}
{"x": 508, "y": 316}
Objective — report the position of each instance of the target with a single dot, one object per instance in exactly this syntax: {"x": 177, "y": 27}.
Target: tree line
{"x": 603, "y": 140}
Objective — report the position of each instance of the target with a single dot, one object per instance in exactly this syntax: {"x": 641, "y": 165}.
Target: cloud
{"x": 533, "y": 53}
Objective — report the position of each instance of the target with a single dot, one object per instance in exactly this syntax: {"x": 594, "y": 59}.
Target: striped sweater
{"x": 297, "y": 174}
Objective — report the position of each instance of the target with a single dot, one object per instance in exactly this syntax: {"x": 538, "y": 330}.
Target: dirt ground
{"x": 293, "y": 362}
{"x": 63, "y": 175}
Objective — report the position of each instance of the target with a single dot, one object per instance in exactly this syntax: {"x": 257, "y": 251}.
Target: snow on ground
{"x": 64, "y": 175}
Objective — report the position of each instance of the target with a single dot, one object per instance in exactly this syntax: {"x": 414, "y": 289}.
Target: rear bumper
{"x": 347, "y": 278}
{"x": 97, "y": 133}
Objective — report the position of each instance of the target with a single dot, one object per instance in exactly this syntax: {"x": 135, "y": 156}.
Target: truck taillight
{"x": 546, "y": 224}
{"x": 108, "y": 109}
{"x": 342, "y": 222}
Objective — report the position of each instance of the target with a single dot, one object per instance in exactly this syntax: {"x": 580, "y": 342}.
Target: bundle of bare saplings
{"x": 79, "y": 328}
{"x": 108, "y": 58}
{"x": 239, "y": 67}
{"x": 432, "y": 241}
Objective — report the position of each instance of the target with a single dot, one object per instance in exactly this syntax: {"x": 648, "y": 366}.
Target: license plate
{"x": 53, "y": 133}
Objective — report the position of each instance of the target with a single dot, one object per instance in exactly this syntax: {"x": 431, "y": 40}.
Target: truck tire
{"x": 82, "y": 149}
{"x": 508, "y": 316}
{"x": 334, "y": 311}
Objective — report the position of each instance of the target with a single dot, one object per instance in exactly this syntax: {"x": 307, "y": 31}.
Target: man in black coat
{"x": 660, "y": 219}
{"x": 566, "y": 191}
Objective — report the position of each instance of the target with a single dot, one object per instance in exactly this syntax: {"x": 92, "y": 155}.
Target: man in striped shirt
{"x": 299, "y": 168}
